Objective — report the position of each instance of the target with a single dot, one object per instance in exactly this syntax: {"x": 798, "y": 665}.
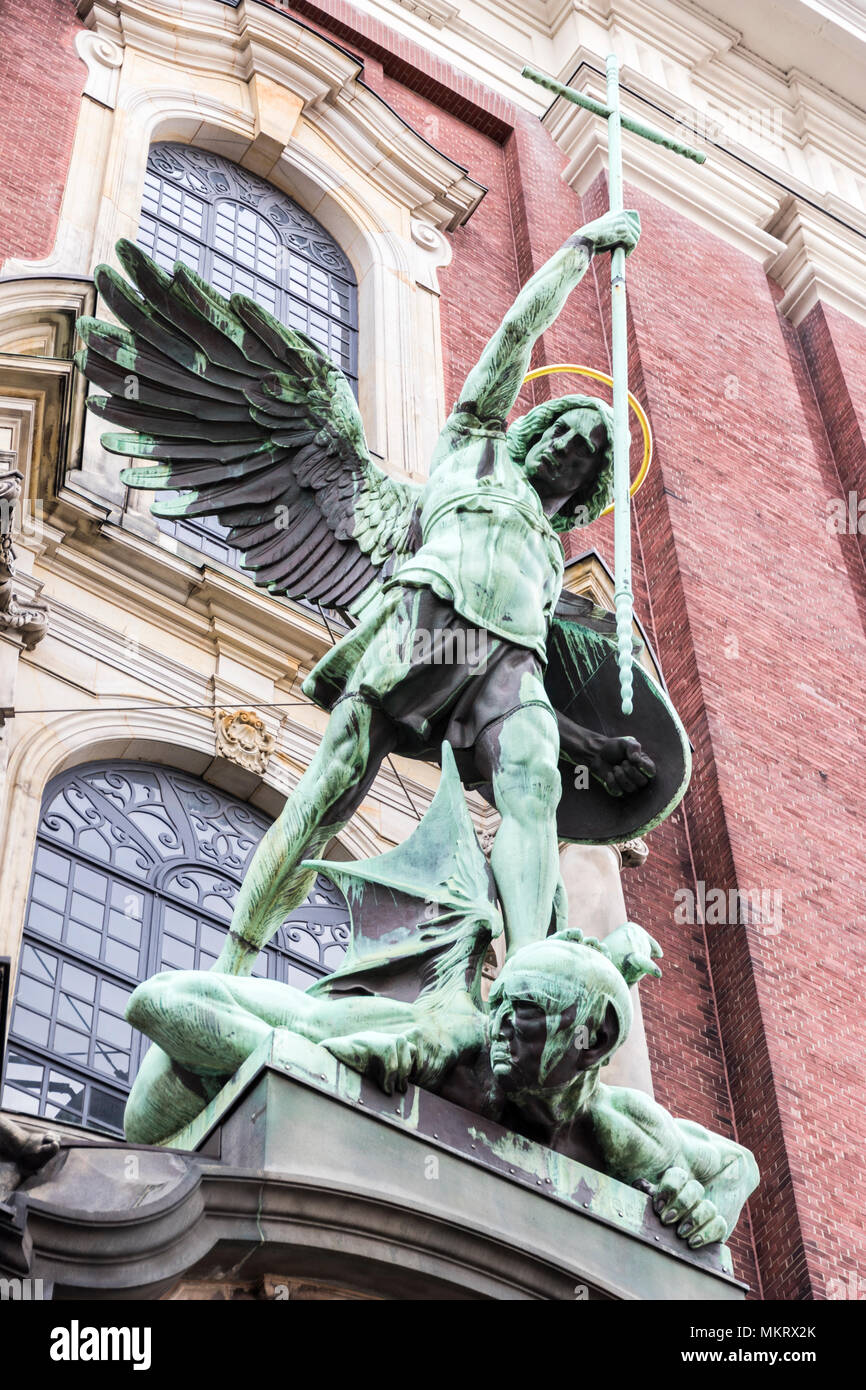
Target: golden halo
{"x": 633, "y": 402}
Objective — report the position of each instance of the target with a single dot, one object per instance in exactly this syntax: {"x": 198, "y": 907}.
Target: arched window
{"x": 136, "y": 870}
{"x": 241, "y": 234}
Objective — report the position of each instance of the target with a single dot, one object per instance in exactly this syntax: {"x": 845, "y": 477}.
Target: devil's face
{"x": 523, "y": 1021}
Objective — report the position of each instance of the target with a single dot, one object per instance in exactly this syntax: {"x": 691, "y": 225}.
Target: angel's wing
{"x": 253, "y": 424}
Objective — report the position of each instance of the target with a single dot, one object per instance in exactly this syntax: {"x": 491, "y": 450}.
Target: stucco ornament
{"x": 243, "y": 737}
{"x": 26, "y": 618}
{"x": 406, "y": 1007}
{"x": 104, "y": 59}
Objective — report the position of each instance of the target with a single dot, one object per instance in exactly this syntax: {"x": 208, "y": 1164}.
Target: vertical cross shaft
{"x": 623, "y": 597}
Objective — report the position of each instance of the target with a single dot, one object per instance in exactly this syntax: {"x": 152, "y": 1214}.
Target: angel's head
{"x": 565, "y": 448}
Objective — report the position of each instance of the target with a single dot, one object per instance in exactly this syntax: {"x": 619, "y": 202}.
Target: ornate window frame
{"x": 136, "y": 868}
{"x": 239, "y": 232}
{"x": 289, "y": 105}
{"x": 193, "y": 209}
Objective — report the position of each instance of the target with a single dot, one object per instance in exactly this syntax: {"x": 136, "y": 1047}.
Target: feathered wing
{"x": 252, "y": 424}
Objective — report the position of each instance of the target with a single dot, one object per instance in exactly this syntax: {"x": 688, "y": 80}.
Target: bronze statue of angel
{"x": 459, "y": 629}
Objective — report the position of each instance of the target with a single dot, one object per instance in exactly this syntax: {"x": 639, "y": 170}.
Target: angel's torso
{"x": 487, "y": 546}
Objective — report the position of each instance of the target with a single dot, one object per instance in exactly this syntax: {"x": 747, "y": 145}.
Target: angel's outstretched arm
{"x": 493, "y": 384}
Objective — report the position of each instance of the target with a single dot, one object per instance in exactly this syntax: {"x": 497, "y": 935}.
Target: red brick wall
{"x": 526, "y": 214}
{"x": 41, "y": 79}
{"x": 483, "y": 273}
{"x": 835, "y": 350}
{"x": 733, "y": 531}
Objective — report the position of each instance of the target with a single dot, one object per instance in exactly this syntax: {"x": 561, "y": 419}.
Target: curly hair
{"x": 590, "y": 500}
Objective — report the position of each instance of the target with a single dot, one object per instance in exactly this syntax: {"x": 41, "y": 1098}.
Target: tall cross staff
{"x": 616, "y": 122}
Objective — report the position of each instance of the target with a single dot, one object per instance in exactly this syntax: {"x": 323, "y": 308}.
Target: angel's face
{"x": 570, "y": 454}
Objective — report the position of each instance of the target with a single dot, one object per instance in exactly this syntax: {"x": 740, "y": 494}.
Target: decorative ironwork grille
{"x": 243, "y": 235}
{"x": 136, "y": 870}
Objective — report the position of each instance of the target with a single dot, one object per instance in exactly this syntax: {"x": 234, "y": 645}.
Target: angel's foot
{"x": 621, "y": 765}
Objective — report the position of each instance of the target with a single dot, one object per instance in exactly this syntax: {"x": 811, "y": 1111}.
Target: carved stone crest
{"x": 634, "y": 853}
{"x": 242, "y": 736}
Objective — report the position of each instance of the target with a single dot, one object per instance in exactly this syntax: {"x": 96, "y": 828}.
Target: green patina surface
{"x": 406, "y": 1010}
{"x": 508, "y": 1156}
{"x": 249, "y": 422}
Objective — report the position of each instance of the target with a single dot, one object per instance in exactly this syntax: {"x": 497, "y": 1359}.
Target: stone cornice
{"x": 718, "y": 196}
{"x": 436, "y": 12}
{"x": 116, "y": 564}
{"x": 775, "y": 130}
{"x": 813, "y": 251}
{"x": 819, "y": 260}
{"x": 218, "y": 611}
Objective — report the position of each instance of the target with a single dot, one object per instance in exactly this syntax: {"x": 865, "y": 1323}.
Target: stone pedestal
{"x": 300, "y": 1172}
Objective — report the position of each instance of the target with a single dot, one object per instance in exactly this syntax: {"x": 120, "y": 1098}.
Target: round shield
{"x": 582, "y": 681}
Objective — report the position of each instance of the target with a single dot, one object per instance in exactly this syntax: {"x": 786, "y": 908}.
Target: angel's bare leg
{"x": 354, "y": 744}
{"x": 167, "y": 1095}
{"x": 522, "y": 764}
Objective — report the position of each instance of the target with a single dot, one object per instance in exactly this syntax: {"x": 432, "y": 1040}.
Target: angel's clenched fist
{"x": 622, "y": 766}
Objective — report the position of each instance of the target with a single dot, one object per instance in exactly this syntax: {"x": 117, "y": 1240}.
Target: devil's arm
{"x": 493, "y": 384}
{"x": 699, "y": 1180}
{"x": 727, "y": 1171}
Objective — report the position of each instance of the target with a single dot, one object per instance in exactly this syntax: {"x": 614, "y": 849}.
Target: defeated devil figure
{"x": 406, "y": 1007}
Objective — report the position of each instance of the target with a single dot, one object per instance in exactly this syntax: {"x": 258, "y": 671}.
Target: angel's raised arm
{"x": 493, "y": 384}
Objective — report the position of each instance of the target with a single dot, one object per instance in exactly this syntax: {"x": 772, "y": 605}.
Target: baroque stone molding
{"x": 103, "y": 58}
{"x": 26, "y": 618}
{"x": 588, "y": 576}
{"x": 243, "y": 737}
{"x": 777, "y": 94}
{"x": 433, "y": 252}
{"x": 819, "y": 260}
{"x": 436, "y": 12}
{"x": 46, "y": 745}
{"x": 257, "y": 41}
{"x": 289, "y": 105}
{"x": 811, "y": 251}
{"x": 719, "y": 196}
